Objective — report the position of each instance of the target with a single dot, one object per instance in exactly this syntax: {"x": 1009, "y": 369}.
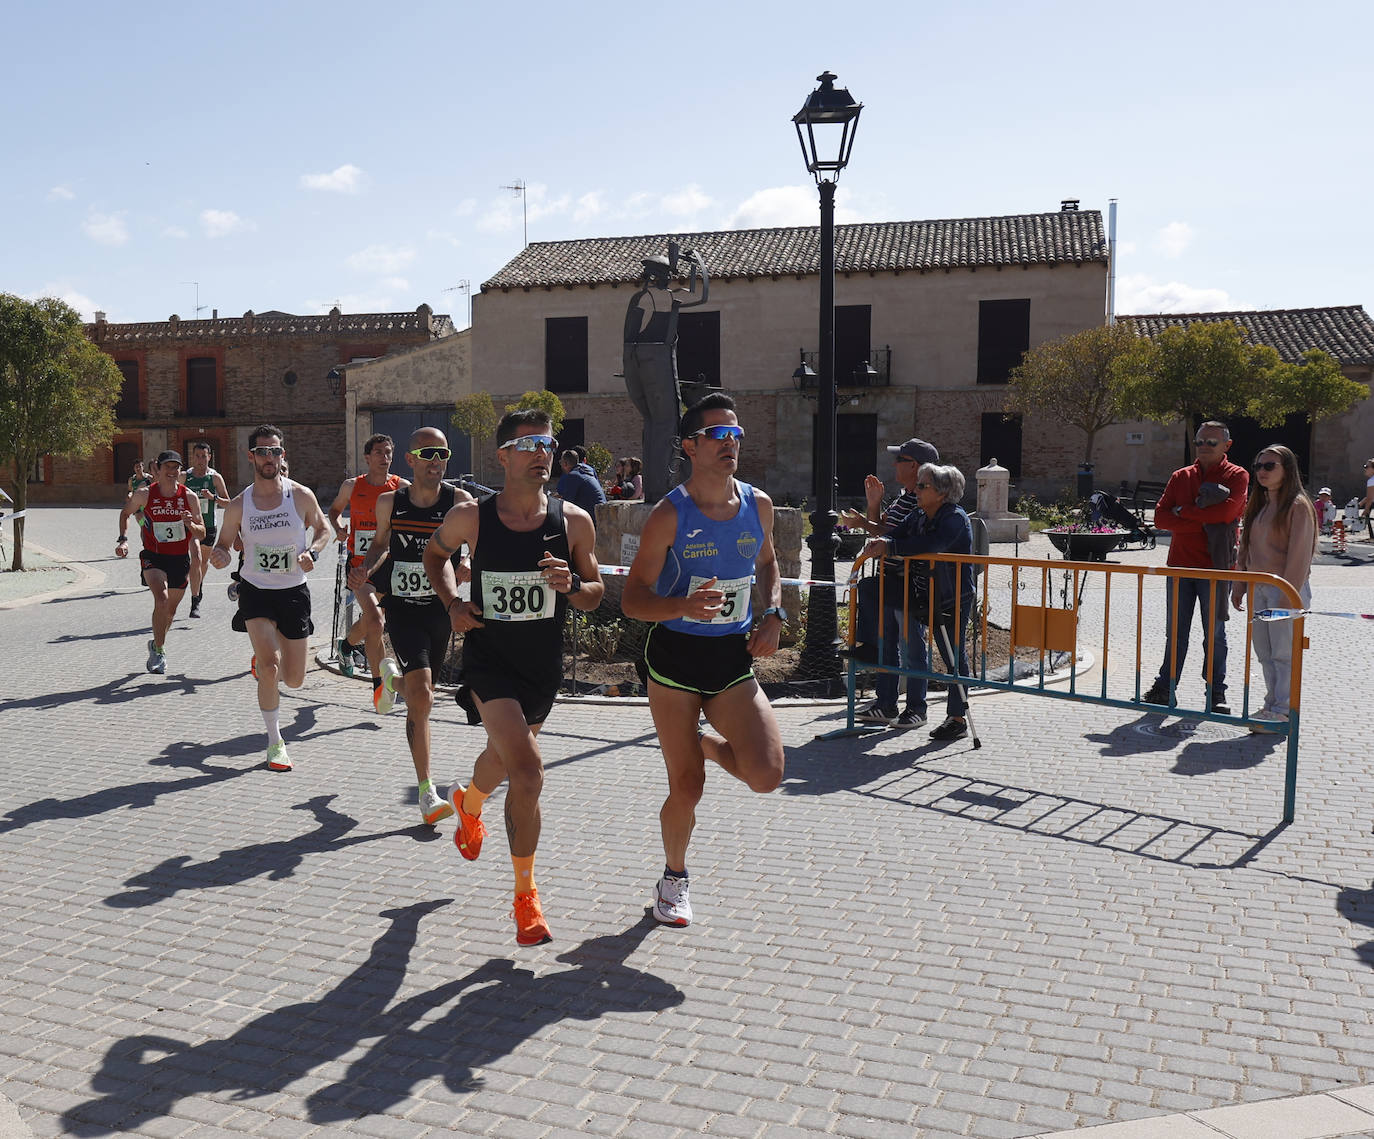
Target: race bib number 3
{"x": 362, "y": 542}
{"x": 172, "y": 531}
{"x": 408, "y": 579}
{"x": 274, "y": 559}
{"x": 735, "y": 605}
{"x": 516, "y": 596}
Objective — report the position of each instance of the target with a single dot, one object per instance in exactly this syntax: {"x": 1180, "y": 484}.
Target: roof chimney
{"x": 99, "y": 317}
{"x": 1068, "y": 205}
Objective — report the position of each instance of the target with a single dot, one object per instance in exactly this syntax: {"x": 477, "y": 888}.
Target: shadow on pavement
{"x": 115, "y": 692}
{"x": 502, "y": 1006}
{"x": 274, "y": 860}
{"x": 1358, "y": 906}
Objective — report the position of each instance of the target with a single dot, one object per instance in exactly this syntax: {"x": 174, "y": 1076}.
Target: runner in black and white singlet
{"x": 532, "y": 557}
{"x": 406, "y": 519}
{"x": 272, "y": 516}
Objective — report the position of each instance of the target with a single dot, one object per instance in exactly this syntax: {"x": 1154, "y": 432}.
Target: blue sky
{"x": 297, "y": 154}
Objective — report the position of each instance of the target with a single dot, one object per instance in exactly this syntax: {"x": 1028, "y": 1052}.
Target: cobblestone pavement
{"x": 1092, "y": 920}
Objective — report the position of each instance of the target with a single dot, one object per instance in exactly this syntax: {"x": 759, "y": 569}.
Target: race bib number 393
{"x": 523, "y": 596}
{"x": 736, "y": 603}
{"x": 274, "y": 559}
{"x": 408, "y": 579}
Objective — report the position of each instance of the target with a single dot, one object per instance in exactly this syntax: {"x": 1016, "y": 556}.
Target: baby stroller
{"x": 1105, "y": 509}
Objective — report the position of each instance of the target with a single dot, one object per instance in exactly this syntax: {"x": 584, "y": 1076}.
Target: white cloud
{"x": 346, "y": 179}
{"x": 1174, "y": 238}
{"x": 444, "y": 236}
{"x": 689, "y": 200}
{"x": 399, "y": 284}
{"x": 106, "y": 229}
{"x": 175, "y": 231}
{"x": 60, "y": 194}
{"x": 221, "y": 223}
{"x": 1138, "y": 294}
{"x": 64, "y": 292}
{"x": 788, "y": 206}
{"x": 588, "y": 206}
{"x": 381, "y": 259}
{"x": 466, "y": 208}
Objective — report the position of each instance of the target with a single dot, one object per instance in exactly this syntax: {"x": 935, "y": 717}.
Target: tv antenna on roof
{"x": 200, "y": 308}
{"x": 518, "y": 186}
{"x": 465, "y": 287}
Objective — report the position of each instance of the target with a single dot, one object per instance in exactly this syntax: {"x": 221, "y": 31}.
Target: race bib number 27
{"x": 523, "y": 596}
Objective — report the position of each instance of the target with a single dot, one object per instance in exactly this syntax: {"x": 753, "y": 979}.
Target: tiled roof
{"x": 271, "y": 324}
{"x": 1023, "y": 239}
{"x": 1346, "y": 333}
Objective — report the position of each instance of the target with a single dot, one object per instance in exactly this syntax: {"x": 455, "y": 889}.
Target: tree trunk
{"x": 21, "y": 501}
{"x": 1088, "y": 447}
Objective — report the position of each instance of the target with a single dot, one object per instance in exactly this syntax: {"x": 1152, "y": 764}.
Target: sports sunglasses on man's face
{"x": 429, "y": 454}
{"x": 720, "y": 432}
{"x": 531, "y": 443}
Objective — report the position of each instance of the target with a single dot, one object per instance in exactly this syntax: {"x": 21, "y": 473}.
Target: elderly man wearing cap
{"x": 171, "y": 521}
{"x": 903, "y": 517}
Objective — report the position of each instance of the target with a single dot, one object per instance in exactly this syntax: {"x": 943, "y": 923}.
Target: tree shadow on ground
{"x": 273, "y": 860}
{"x": 187, "y": 754}
{"x": 115, "y": 691}
{"x": 911, "y": 778}
{"x": 502, "y": 1007}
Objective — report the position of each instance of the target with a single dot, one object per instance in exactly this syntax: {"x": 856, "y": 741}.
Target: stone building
{"x": 217, "y": 379}
{"x": 1338, "y": 447}
{"x": 931, "y": 317}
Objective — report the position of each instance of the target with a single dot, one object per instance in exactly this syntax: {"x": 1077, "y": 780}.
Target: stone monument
{"x": 994, "y": 486}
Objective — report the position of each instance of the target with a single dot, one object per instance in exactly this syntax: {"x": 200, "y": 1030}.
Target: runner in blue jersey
{"x": 703, "y": 549}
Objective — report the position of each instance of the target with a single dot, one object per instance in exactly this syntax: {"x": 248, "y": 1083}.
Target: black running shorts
{"x": 210, "y": 531}
{"x": 705, "y": 665}
{"x": 419, "y": 636}
{"x": 177, "y": 567}
{"x": 288, "y": 609}
{"x": 536, "y": 702}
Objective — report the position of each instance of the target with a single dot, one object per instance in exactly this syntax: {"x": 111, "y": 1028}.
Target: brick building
{"x": 931, "y": 316}
{"x": 217, "y": 379}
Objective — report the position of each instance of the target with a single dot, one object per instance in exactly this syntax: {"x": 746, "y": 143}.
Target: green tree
{"x": 1075, "y": 380}
{"x": 57, "y": 392}
{"x": 1317, "y": 387}
{"x": 475, "y": 416}
{"x": 599, "y": 458}
{"x": 1205, "y": 369}
{"x": 544, "y": 401}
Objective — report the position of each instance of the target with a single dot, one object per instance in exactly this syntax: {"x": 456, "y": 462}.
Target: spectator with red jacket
{"x": 1178, "y": 511}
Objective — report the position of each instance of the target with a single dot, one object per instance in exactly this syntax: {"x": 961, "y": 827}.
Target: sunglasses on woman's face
{"x": 1267, "y": 466}
{"x": 429, "y": 454}
{"x": 720, "y": 432}
{"x": 531, "y": 443}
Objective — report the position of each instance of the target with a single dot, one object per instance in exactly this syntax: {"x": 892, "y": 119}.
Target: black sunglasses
{"x": 1268, "y": 465}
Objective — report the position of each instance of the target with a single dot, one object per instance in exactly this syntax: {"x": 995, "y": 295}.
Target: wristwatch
{"x": 778, "y": 609}
{"x": 576, "y": 584}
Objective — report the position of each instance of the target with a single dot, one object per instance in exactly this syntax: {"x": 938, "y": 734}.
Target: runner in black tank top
{"x": 532, "y": 557}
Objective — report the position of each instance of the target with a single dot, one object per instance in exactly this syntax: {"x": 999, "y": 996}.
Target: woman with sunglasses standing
{"x": 1279, "y": 537}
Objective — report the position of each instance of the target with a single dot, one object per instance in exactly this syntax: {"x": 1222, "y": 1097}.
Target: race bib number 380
{"x": 274, "y": 559}
{"x": 523, "y": 596}
{"x": 736, "y": 603}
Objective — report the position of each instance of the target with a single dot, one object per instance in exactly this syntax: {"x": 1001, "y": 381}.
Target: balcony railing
{"x": 879, "y": 360}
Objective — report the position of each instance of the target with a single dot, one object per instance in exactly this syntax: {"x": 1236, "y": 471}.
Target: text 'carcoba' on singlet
{"x": 272, "y": 541}
{"x": 164, "y": 527}
{"x": 402, "y": 578}
{"x": 362, "y": 515}
{"x": 703, "y": 549}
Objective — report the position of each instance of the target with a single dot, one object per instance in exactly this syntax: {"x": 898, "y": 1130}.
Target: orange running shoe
{"x": 471, "y": 829}
{"x": 253, "y": 667}
{"x": 530, "y": 926}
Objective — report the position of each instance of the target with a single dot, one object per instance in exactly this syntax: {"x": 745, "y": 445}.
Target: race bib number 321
{"x": 523, "y": 596}
{"x": 274, "y": 559}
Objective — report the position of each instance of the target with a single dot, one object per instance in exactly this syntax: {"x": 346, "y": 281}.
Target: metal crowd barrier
{"x": 1051, "y": 629}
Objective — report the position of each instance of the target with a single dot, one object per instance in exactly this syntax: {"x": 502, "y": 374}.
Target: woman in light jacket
{"x": 1278, "y": 536}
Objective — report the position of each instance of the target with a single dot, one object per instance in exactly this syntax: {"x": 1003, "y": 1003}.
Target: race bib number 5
{"x": 274, "y": 559}
{"x": 516, "y": 596}
{"x": 736, "y": 603}
{"x": 408, "y": 579}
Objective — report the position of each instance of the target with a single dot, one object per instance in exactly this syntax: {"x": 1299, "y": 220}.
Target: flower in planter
{"x": 1084, "y": 528}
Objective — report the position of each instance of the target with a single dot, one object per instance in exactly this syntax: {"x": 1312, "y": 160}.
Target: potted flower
{"x": 1084, "y": 541}
{"x": 852, "y": 539}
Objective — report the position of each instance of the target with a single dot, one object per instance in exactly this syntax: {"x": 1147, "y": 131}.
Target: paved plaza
{"x": 1093, "y": 922}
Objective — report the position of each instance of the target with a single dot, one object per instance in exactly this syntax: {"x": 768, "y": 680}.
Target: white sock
{"x": 269, "y": 717}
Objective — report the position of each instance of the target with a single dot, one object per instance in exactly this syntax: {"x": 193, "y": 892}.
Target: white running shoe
{"x": 671, "y": 903}
{"x": 157, "y": 659}
{"x": 277, "y": 759}
{"x": 384, "y": 698}
{"x": 433, "y": 808}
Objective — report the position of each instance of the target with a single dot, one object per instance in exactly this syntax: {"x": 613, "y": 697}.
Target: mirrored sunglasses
{"x": 429, "y": 454}
{"x": 531, "y": 443}
{"x": 719, "y": 432}
{"x": 268, "y": 452}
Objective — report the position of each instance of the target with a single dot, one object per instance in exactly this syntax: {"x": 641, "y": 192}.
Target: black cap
{"x": 169, "y": 457}
{"x": 917, "y": 449}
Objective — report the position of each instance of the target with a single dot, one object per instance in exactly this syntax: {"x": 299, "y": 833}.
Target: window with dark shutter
{"x": 1003, "y": 337}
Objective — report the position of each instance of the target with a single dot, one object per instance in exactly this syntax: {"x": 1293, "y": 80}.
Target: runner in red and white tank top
{"x": 171, "y": 522}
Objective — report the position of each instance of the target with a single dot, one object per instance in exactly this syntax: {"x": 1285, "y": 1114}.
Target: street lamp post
{"x": 826, "y": 126}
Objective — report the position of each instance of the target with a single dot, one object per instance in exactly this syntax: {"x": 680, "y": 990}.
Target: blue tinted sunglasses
{"x": 720, "y": 432}
{"x": 531, "y": 443}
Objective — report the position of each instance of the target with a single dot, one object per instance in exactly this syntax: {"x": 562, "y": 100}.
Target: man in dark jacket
{"x": 1178, "y": 511}
{"x": 579, "y": 484}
